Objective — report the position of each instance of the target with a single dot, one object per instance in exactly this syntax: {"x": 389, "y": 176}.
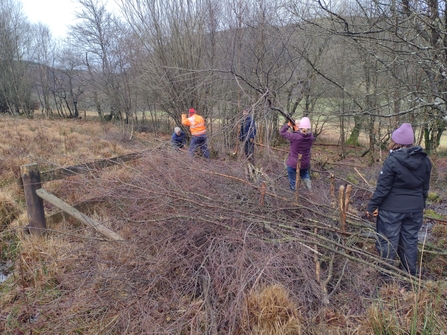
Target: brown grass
{"x": 200, "y": 256}
{"x": 272, "y": 312}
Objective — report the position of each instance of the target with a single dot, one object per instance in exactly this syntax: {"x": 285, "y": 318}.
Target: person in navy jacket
{"x": 399, "y": 199}
{"x": 178, "y": 139}
{"x": 247, "y": 134}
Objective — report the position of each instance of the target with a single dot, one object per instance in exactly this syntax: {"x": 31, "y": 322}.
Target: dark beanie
{"x": 403, "y": 135}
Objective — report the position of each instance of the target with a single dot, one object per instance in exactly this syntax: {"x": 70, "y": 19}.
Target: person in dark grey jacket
{"x": 399, "y": 199}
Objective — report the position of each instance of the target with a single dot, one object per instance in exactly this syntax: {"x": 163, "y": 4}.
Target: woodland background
{"x": 371, "y": 63}
{"x": 218, "y": 247}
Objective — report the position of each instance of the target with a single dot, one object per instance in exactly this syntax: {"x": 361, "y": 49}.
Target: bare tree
{"x": 97, "y": 34}
{"x": 43, "y": 57}
{"x": 15, "y": 88}
{"x": 71, "y": 78}
{"x": 176, "y": 52}
{"x": 263, "y": 55}
{"x": 402, "y": 46}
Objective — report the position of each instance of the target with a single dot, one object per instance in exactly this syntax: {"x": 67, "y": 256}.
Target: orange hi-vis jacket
{"x": 196, "y": 124}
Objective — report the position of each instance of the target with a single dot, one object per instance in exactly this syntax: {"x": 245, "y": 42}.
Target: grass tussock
{"x": 272, "y": 312}
{"x": 9, "y": 210}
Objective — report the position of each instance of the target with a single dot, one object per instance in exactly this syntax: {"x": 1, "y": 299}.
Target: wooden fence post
{"x": 298, "y": 176}
{"x": 342, "y": 204}
{"x": 34, "y": 204}
{"x": 334, "y": 201}
{"x": 261, "y": 199}
{"x": 344, "y": 196}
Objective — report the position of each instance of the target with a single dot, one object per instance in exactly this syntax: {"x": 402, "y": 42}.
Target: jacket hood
{"x": 412, "y": 157}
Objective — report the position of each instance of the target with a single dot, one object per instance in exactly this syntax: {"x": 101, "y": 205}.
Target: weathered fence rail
{"x": 31, "y": 180}
{"x": 68, "y": 171}
{"x": 70, "y": 210}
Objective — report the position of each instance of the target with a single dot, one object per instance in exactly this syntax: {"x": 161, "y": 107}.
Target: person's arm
{"x": 252, "y": 129}
{"x": 384, "y": 185}
{"x": 185, "y": 120}
{"x": 284, "y": 132}
{"x": 426, "y": 185}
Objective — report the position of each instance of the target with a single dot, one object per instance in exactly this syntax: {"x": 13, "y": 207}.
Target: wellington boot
{"x": 308, "y": 183}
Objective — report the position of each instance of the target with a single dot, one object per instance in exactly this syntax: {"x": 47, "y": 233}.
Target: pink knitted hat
{"x": 304, "y": 123}
{"x": 403, "y": 135}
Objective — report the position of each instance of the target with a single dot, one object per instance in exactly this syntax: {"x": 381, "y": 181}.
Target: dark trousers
{"x": 397, "y": 235}
{"x": 249, "y": 150}
{"x": 199, "y": 142}
{"x": 177, "y": 145}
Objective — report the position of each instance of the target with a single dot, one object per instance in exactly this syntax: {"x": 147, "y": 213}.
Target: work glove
{"x": 374, "y": 214}
{"x": 294, "y": 127}
{"x": 183, "y": 116}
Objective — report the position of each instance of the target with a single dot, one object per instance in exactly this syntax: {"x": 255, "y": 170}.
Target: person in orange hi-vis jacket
{"x": 196, "y": 124}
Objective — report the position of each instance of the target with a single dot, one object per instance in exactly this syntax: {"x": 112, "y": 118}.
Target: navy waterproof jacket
{"x": 178, "y": 140}
{"x": 248, "y": 129}
{"x": 299, "y": 144}
{"x": 403, "y": 183}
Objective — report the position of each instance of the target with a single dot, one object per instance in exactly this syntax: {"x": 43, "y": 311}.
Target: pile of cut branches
{"x": 206, "y": 251}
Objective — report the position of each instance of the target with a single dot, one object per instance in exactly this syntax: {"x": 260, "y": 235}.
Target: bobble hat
{"x": 403, "y": 135}
{"x": 304, "y": 123}
{"x": 191, "y": 111}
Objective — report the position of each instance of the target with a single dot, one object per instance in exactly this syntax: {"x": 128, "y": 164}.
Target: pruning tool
{"x": 288, "y": 117}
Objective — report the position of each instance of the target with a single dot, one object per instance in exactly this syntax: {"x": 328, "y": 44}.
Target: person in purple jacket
{"x": 301, "y": 140}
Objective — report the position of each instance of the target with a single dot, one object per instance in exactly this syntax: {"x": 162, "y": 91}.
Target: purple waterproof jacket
{"x": 299, "y": 144}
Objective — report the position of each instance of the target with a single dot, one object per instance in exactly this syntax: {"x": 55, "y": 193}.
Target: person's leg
{"x": 203, "y": 146}
{"x": 246, "y": 148}
{"x": 193, "y": 145}
{"x": 291, "y": 173}
{"x": 388, "y": 228}
{"x": 408, "y": 241}
{"x": 249, "y": 149}
{"x": 304, "y": 175}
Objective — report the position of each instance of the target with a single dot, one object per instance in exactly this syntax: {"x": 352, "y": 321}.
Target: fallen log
{"x": 440, "y": 221}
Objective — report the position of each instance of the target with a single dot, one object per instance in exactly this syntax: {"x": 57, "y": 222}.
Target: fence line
{"x": 68, "y": 171}
{"x": 31, "y": 180}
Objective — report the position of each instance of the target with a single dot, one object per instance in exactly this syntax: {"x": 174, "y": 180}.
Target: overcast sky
{"x": 56, "y": 14}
